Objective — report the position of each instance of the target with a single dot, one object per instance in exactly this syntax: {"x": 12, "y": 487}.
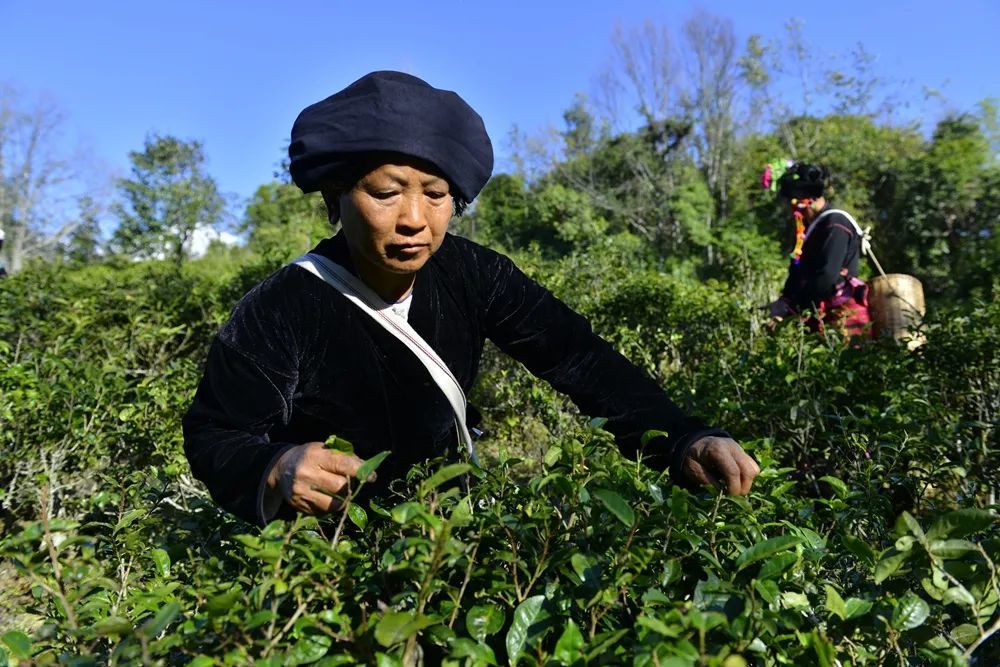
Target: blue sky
{"x": 235, "y": 74}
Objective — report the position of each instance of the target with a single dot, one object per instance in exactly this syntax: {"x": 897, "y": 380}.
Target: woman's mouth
{"x": 405, "y": 250}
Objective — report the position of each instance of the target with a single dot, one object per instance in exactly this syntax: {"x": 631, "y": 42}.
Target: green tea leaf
{"x": 616, "y": 505}
{"x": 835, "y": 603}
{"x": 958, "y": 595}
{"x": 856, "y": 607}
{"x": 679, "y": 503}
{"x": 775, "y": 566}
{"x": 113, "y": 625}
{"x": 965, "y": 634}
{"x": 128, "y": 519}
{"x": 889, "y": 565}
{"x": 484, "y": 620}
{"x": 907, "y": 523}
{"x": 837, "y": 485}
{"x": 652, "y": 433}
{"x": 949, "y": 549}
{"x": 357, "y": 515}
{"x": 162, "y": 561}
{"x": 338, "y": 444}
{"x": 569, "y": 648}
{"x": 154, "y": 626}
{"x": 910, "y": 612}
{"x": 368, "y": 468}
{"x": 960, "y": 523}
{"x": 444, "y": 474}
{"x": 308, "y": 650}
{"x": 404, "y": 512}
{"x": 18, "y": 643}
{"x": 524, "y": 617}
{"x": 481, "y": 654}
{"x": 860, "y": 548}
{"x": 398, "y": 626}
{"x": 223, "y": 602}
{"x": 553, "y": 455}
{"x": 766, "y": 549}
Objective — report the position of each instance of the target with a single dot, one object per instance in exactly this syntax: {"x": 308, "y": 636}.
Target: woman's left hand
{"x": 721, "y": 462}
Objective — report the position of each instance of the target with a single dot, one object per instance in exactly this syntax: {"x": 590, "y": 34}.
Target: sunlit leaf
{"x": 113, "y": 625}
{"x": 222, "y": 603}
{"x": 442, "y": 475}
{"x": 18, "y": 643}
{"x": 835, "y": 603}
{"x": 484, "y": 620}
{"x": 162, "y": 561}
{"x": 910, "y": 612}
{"x": 368, "y": 468}
{"x": 569, "y": 648}
{"x": 889, "y": 565}
{"x": 837, "y": 485}
{"x": 308, "y": 650}
{"x": 357, "y": 515}
{"x": 524, "y": 617}
{"x": 766, "y": 549}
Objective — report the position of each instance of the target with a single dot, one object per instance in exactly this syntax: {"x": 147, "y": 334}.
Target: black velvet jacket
{"x": 832, "y": 247}
{"x": 297, "y": 362}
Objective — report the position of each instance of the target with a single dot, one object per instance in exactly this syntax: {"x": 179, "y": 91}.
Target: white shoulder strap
{"x": 371, "y": 303}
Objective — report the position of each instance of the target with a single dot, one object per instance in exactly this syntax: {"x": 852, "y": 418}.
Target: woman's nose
{"x": 412, "y": 214}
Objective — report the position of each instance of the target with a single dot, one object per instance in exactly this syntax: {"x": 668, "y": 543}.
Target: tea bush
{"x": 870, "y": 538}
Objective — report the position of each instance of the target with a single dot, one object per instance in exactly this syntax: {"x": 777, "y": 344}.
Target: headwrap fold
{"x": 394, "y": 112}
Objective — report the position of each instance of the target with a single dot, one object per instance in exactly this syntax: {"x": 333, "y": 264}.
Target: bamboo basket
{"x": 896, "y": 304}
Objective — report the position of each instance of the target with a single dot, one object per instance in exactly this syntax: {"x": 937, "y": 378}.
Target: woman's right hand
{"x": 309, "y": 476}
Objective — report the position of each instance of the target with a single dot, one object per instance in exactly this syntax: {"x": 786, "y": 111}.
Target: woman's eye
{"x": 383, "y": 194}
{"x": 436, "y": 194}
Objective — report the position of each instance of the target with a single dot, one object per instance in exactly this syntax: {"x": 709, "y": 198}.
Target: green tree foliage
{"x": 84, "y": 243}
{"x": 168, "y": 198}
{"x": 945, "y": 218}
{"x": 282, "y": 223}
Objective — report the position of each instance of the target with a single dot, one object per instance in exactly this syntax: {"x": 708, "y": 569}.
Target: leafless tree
{"x": 35, "y": 177}
{"x": 642, "y": 71}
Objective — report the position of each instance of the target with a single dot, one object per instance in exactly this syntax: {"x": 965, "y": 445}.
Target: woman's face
{"x": 396, "y": 217}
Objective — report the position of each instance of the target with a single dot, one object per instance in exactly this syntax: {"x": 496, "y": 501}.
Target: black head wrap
{"x": 391, "y": 112}
{"x": 802, "y": 180}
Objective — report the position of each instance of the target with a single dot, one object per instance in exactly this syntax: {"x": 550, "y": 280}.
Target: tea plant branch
{"x": 426, "y": 585}
{"x": 123, "y": 571}
{"x": 276, "y": 573}
{"x": 288, "y": 624}
{"x": 513, "y": 564}
{"x": 985, "y": 633}
{"x": 59, "y": 591}
{"x": 343, "y": 513}
{"x": 711, "y": 521}
{"x": 542, "y": 564}
{"x": 465, "y": 581}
